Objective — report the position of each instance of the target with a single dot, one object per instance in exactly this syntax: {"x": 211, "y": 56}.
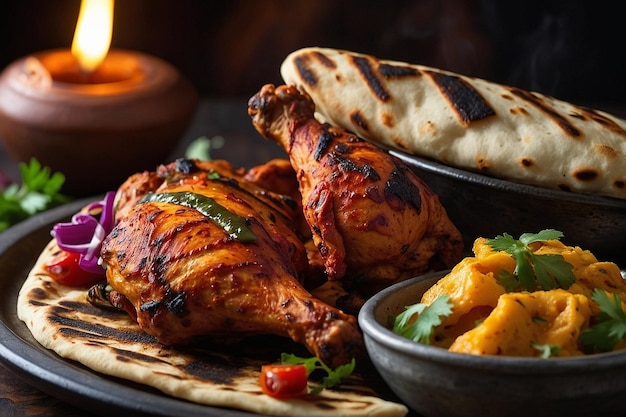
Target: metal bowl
{"x": 482, "y": 206}
{"x": 435, "y": 382}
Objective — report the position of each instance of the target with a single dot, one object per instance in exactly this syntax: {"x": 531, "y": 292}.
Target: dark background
{"x": 569, "y": 49}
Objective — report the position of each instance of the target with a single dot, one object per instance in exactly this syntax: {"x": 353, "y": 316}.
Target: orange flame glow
{"x": 92, "y": 38}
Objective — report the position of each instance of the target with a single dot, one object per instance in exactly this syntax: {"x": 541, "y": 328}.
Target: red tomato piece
{"x": 283, "y": 381}
{"x": 64, "y": 269}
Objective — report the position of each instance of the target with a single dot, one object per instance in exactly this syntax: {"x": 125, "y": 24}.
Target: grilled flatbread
{"x": 468, "y": 123}
{"x": 109, "y": 342}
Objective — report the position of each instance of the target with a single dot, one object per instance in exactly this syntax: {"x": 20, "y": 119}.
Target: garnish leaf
{"x": 547, "y": 351}
{"x": 200, "y": 148}
{"x": 333, "y": 377}
{"x": 507, "y": 280}
{"x": 542, "y": 236}
{"x": 533, "y": 271}
{"x": 610, "y": 326}
{"x": 428, "y": 317}
{"x": 40, "y": 190}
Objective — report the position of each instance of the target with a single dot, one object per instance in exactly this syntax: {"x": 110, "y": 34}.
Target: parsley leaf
{"x": 333, "y": 377}
{"x": 547, "y": 351}
{"x": 610, "y": 325}
{"x": 200, "y": 148}
{"x": 40, "y": 190}
{"x": 428, "y": 317}
{"x": 533, "y": 271}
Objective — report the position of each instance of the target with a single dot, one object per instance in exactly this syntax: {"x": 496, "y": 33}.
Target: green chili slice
{"x": 233, "y": 224}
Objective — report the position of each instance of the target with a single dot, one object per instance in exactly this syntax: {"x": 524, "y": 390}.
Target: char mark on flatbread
{"x": 359, "y": 120}
{"x": 324, "y": 60}
{"x": 561, "y": 121}
{"x": 303, "y": 66}
{"x": 467, "y": 103}
{"x": 603, "y": 120}
{"x": 369, "y": 75}
{"x": 307, "y": 75}
{"x": 397, "y": 71}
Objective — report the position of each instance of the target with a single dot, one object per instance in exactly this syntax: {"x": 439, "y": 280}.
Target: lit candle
{"x": 94, "y": 30}
{"x": 95, "y": 114}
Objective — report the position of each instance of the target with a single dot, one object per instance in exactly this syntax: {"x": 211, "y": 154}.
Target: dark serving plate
{"x": 67, "y": 380}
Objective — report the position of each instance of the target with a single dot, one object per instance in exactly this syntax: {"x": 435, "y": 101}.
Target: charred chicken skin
{"x": 207, "y": 253}
{"x": 373, "y": 220}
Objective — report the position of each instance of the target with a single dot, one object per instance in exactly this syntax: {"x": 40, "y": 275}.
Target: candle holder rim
{"x": 152, "y": 72}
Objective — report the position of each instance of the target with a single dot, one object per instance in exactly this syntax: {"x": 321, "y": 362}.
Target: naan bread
{"x": 469, "y": 123}
{"x": 109, "y": 342}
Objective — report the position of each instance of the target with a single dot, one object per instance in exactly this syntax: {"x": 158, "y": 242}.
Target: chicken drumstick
{"x": 208, "y": 253}
{"x": 373, "y": 220}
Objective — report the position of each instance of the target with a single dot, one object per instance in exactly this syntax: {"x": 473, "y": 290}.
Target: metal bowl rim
{"x": 475, "y": 178}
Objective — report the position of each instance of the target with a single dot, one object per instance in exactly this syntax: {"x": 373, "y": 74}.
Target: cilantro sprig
{"x": 40, "y": 190}
{"x": 428, "y": 318}
{"x": 546, "y": 351}
{"x": 200, "y": 148}
{"x": 610, "y": 324}
{"x": 533, "y": 271}
{"x": 333, "y": 377}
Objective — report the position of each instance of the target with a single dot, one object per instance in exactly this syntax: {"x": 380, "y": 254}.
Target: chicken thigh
{"x": 373, "y": 220}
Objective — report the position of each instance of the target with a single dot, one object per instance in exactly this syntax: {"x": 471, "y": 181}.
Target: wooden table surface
{"x": 242, "y": 146}
{"x": 17, "y": 398}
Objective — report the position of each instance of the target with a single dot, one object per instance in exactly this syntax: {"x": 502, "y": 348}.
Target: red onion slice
{"x": 85, "y": 233}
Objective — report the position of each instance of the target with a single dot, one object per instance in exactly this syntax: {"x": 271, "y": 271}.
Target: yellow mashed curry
{"x": 485, "y": 319}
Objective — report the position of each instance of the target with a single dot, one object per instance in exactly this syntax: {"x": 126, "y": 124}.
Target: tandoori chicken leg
{"x": 208, "y": 253}
{"x": 373, "y": 220}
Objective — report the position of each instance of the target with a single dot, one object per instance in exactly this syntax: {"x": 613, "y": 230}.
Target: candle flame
{"x": 94, "y": 30}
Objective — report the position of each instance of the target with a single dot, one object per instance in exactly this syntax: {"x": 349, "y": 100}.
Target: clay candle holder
{"x": 99, "y": 127}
